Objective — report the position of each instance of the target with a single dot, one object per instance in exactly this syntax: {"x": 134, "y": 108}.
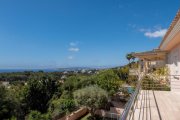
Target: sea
{"x": 34, "y": 70}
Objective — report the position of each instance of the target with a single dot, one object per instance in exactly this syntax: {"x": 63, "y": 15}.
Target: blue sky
{"x": 66, "y": 33}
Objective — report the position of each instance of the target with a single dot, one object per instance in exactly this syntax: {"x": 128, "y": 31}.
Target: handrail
{"x": 130, "y": 104}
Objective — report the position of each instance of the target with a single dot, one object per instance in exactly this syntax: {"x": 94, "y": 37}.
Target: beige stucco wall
{"x": 174, "y": 60}
{"x": 157, "y": 64}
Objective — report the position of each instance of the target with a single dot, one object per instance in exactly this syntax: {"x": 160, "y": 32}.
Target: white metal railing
{"x": 128, "y": 112}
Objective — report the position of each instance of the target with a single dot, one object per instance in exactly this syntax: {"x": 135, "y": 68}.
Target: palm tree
{"x": 129, "y": 57}
{"x": 133, "y": 58}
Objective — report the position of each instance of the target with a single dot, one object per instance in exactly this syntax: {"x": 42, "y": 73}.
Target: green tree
{"x": 16, "y": 94}
{"x": 36, "y": 115}
{"x": 122, "y": 73}
{"x": 109, "y": 81}
{"x": 92, "y": 97}
{"x": 86, "y": 81}
{"x": 71, "y": 83}
{"x": 76, "y": 82}
{"x": 39, "y": 91}
{"x": 129, "y": 57}
{"x": 133, "y": 58}
{"x": 59, "y": 107}
{"x": 7, "y": 104}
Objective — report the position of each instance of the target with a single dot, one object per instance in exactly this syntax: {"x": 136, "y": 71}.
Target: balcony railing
{"x": 128, "y": 112}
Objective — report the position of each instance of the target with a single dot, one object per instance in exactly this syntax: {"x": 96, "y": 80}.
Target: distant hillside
{"x": 85, "y": 68}
{"x": 76, "y": 68}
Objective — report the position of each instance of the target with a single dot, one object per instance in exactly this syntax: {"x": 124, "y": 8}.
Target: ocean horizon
{"x": 34, "y": 70}
{"x": 9, "y": 70}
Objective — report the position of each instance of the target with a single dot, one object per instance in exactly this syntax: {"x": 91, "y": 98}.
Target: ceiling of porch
{"x": 153, "y": 55}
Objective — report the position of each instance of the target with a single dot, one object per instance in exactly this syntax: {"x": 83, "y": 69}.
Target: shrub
{"x": 60, "y": 107}
{"x": 92, "y": 97}
{"x": 35, "y": 115}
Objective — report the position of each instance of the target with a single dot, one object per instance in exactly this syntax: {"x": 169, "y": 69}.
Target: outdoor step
{"x": 175, "y": 80}
{"x": 175, "y": 85}
{"x": 175, "y": 88}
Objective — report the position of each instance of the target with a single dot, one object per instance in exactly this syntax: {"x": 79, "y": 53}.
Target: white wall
{"x": 174, "y": 60}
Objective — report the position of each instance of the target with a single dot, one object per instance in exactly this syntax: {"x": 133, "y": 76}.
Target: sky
{"x": 69, "y": 33}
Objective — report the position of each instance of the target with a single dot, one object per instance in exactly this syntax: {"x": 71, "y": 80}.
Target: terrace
{"x": 152, "y": 102}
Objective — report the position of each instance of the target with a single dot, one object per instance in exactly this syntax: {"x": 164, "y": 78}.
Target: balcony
{"x": 157, "y": 105}
{"x": 153, "y": 102}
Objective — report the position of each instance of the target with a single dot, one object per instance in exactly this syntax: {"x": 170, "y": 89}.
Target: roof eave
{"x": 177, "y": 17}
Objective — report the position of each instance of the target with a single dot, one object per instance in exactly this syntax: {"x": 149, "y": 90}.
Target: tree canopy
{"x": 39, "y": 91}
{"x": 92, "y": 97}
{"x": 109, "y": 81}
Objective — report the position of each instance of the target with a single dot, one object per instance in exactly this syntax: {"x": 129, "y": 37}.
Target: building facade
{"x": 167, "y": 54}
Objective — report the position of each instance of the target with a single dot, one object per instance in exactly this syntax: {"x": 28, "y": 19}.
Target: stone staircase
{"x": 175, "y": 84}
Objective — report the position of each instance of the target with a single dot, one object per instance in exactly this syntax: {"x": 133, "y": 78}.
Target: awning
{"x": 153, "y": 55}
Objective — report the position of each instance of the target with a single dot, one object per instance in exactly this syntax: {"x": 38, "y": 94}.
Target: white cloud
{"x": 72, "y": 44}
{"x": 74, "y": 49}
{"x": 144, "y": 30}
{"x": 156, "y": 34}
{"x": 70, "y": 57}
